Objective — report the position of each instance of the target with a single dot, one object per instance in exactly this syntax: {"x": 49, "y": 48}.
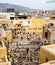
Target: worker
{"x": 9, "y": 55}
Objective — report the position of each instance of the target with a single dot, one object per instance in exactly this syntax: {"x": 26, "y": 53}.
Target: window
{"x": 33, "y": 32}
{"x": 46, "y": 34}
{"x": 22, "y": 17}
{"x": 12, "y": 18}
{"x": 39, "y": 28}
{"x": 20, "y": 31}
{"x": 28, "y": 32}
{"x": 19, "y": 25}
{"x": 27, "y": 50}
{"x": 53, "y": 17}
{"x": 35, "y": 28}
{"x": 21, "y": 38}
{"x": 46, "y": 59}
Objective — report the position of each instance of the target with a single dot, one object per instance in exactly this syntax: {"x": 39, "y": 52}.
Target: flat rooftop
{"x": 49, "y": 63}
{"x": 50, "y": 48}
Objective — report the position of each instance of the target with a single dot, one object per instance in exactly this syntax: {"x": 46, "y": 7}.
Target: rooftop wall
{"x": 47, "y": 53}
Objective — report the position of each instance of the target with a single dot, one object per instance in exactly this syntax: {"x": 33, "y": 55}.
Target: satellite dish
{"x": 51, "y": 1}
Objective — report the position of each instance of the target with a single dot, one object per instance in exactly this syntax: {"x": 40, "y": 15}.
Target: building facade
{"x": 47, "y": 53}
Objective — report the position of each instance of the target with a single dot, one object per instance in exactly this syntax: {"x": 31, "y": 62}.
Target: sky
{"x": 33, "y": 4}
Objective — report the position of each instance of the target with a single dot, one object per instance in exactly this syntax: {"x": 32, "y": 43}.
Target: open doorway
{"x": 46, "y": 34}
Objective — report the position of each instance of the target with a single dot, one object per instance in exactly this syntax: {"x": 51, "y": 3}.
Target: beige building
{"x": 31, "y": 24}
{"x": 36, "y": 25}
{"x": 6, "y": 18}
{"x": 47, "y": 53}
{"x": 49, "y": 34}
{"x": 9, "y": 35}
{"x": 3, "y": 55}
{"x": 7, "y": 15}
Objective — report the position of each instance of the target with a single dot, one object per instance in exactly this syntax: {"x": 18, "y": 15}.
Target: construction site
{"x": 28, "y": 39}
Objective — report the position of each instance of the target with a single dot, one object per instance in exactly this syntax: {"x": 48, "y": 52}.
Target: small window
{"x": 46, "y": 34}
{"x": 38, "y": 28}
{"x": 28, "y": 32}
{"x": 24, "y": 17}
{"x": 12, "y": 18}
{"x": 53, "y": 17}
{"x": 46, "y": 59}
{"x": 33, "y": 32}
{"x": 19, "y": 25}
{"x": 27, "y": 50}
{"x": 20, "y": 17}
{"x": 21, "y": 38}
{"x": 20, "y": 32}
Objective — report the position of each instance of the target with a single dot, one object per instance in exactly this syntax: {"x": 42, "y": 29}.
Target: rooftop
{"x": 49, "y": 63}
{"x": 50, "y": 48}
